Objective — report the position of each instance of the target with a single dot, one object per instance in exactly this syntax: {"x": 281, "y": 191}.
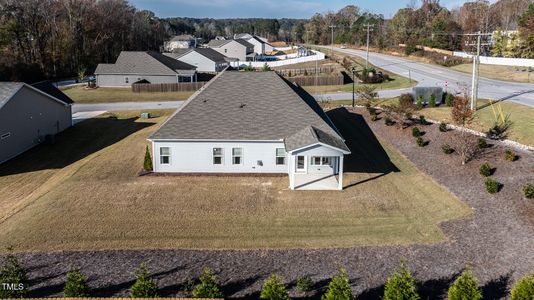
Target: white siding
{"x": 106, "y": 80}
{"x": 233, "y": 49}
{"x": 202, "y": 63}
{"x": 197, "y": 157}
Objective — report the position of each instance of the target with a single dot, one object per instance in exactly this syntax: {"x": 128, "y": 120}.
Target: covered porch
{"x": 320, "y": 169}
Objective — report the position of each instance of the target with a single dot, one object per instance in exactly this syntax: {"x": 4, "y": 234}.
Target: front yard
{"x": 83, "y": 193}
{"x": 106, "y": 95}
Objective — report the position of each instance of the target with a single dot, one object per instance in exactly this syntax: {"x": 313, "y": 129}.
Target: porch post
{"x": 291, "y": 172}
{"x": 340, "y": 170}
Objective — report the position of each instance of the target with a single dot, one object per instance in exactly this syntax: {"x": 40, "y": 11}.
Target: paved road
{"x": 432, "y": 75}
{"x": 125, "y": 106}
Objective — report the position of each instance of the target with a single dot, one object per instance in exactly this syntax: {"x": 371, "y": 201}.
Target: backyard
{"x": 106, "y": 95}
{"x": 83, "y": 193}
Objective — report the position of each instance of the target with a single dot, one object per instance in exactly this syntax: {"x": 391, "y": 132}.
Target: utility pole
{"x": 332, "y": 50}
{"x": 476, "y": 63}
{"x": 369, "y": 28}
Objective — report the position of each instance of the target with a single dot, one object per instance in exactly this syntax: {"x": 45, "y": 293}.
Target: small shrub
{"x": 76, "y": 285}
{"x": 492, "y": 186}
{"x": 339, "y": 288}
{"x": 500, "y": 129}
{"x": 432, "y": 101}
{"x": 446, "y": 148}
{"x": 449, "y": 99}
{"x": 388, "y": 121}
{"x": 274, "y": 289}
{"x": 401, "y": 285}
{"x": 485, "y": 170}
{"x": 510, "y": 155}
{"x": 208, "y": 286}
{"x": 371, "y": 110}
{"x": 419, "y": 102}
{"x": 188, "y": 285}
{"x": 443, "y": 127}
{"x": 465, "y": 287}
{"x": 422, "y": 120}
{"x": 374, "y": 118}
{"x": 305, "y": 284}
{"x": 420, "y": 141}
{"x": 524, "y": 289}
{"x": 482, "y": 143}
{"x": 406, "y": 100}
{"x": 147, "y": 164}
{"x": 416, "y": 132}
{"x": 528, "y": 191}
{"x": 144, "y": 286}
{"x": 12, "y": 272}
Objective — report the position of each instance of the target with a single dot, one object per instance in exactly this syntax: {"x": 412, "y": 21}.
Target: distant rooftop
{"x": 145, "y": 62}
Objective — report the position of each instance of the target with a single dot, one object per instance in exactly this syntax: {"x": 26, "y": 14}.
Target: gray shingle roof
{"x": 182, "y": 37}
{"x": 218, "y": 43}
{"x": 248, "y": 106}
{"x": 145, "y": 62}
{"x": 311, "y": 135}
{"x": 245, "y": 43}
{"x": 7, "y": 89}
{"x": 206, "y": 52}
{"x": 50, "y": 89}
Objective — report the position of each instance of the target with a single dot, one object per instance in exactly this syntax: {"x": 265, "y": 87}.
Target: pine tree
{"x": 208, "y": 286}
{"x": 147, "y": 165}
{"x": 274, "y": 289}
{"x": 339, "y": 287}
{"x": 401, "y": 286}
{"x": 465, "y": 287}
{"x": 144, "y": 286}
{"x": 76, "y": 285}
{"x": 524, "y": 289}
{"x": 13, "y": 273}
{"x": 432, "y": 101}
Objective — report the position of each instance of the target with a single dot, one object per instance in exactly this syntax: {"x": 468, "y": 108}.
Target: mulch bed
{"x": 496, "y": 242}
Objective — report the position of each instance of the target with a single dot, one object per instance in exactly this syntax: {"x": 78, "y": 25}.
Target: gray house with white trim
{"x": 238, "y": 49}
{"x": 204, "y": 59}
{"x": 146, "y": 66}
{"x": 29, "y": 114}
{"x": 251, "y": 123}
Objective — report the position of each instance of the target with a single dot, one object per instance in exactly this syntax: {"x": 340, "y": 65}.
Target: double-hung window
{"x": 218, "y": 156}
{"x": 165, "y": 155}
{"x": 321, "y": 160}
{"x": 237, "y": 156}
{"x": 280, "y": 156}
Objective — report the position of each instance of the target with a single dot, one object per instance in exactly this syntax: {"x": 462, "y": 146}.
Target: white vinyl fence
{"x": 283, "y": 62}
{"x": 503, "y": 61}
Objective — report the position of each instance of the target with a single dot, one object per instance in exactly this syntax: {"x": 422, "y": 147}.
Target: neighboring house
{"x": 303, "y": 51}
{"x": 237, "y": 49}
{"x": 260, "y": 46}
{"x": 204, "y": 59}
{"x": 243, "y": 36}
{"x": 183, "y": 41}
{"x": 29, "y": 115}
{"x": 251, "y": 123}
{"x": 146, "y": 66}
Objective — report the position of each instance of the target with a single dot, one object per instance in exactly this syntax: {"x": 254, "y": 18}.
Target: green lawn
{"x": 106, "y": 95}
{"x": 54, "y": 200}
{"x": 506, "y": 73}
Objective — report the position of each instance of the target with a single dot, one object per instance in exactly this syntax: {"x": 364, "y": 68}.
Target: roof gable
{"x": 144, "y": 62}
{"x": 9, "y": 89}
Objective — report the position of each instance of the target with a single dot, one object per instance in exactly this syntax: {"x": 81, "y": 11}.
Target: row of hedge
{"x": 401, "y": 285}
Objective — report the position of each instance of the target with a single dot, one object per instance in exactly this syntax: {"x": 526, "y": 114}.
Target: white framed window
{"x": 218, "y": 156}
{"x": 165, "y": 155}
{"x": 237, "y": 156}
{"x": 321, "y": 161}
{"x": 126, "y": 80}
{"x": 280, "y": 156}
{"x": 5, "y": 135}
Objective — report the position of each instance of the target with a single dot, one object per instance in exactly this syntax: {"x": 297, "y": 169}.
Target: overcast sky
{"x": 267, "y": 8}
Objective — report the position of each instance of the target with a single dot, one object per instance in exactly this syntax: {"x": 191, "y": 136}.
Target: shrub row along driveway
{"x": 496, "y": 241}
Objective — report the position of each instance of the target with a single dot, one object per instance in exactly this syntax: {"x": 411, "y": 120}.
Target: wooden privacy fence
{"x": 167, "y": 87}
{"x": 306, "y": 71}
{"x": 321, "y": 80}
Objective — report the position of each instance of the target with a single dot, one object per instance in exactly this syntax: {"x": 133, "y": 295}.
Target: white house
{"x": 260, "y": 45}
{"x": 182, "y": 41}
{"x": 252, "y": 122}
{"x": 237, "y": 49}
{"x": 204, "y": 59}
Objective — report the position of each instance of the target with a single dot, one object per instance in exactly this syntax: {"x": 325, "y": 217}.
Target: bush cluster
{"x": 510, "y": 155}
{"x": 482, "y": 143}
{"x": 388, "y": 121}
{"x": 449, "y": 99}
{"x": 528, "y": 191}
{"x": 492, "y": 186}
{"x": 432, "y": 101}
{"x": 274, "y": 289}
{"x": 416, "y": 132}
{"x": 144, "y": 286}
{"x": 422, "y": 120}
{"x": 339, "y": 288}
{"x": 76, "y": 284}
{"x": 524, "y": 289}
{"x": 420, "y": 141}
{"x": 485, "y": 170}
{"x": 465, "y": 287}
{"x": 401, "y": 285}
{"x": 443, "y": 127}
{"x": 447, "y": 149}
{"x": 419, "y": 102}
{"x": 208, "y": 286}
{"x": 305, "y": 284}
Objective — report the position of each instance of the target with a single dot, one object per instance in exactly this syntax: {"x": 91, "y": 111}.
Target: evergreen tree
{"x": 432, "y": 101}
{"x": 339, "y": 287}
{"x": 76, "y": 285}
{"x": 147, "y": 164}
{"x": 274, "y": 289}
{"x": 144, "y": 286}
{"x": 524, "y": 289}
{"x": 465, "y": 287}
{"x": 12, "y": 273}
{"x": 208, "y": 286}
{"x": 401, "y": 286}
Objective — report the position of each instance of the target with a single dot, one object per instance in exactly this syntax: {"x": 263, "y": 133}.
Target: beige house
{"x": 30, "y": 115}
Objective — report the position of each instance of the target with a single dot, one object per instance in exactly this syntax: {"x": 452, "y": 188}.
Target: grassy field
{"x": 506, "y": 73}
{"x": 83, "y": 193}
{"x": 106, "y": 95}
